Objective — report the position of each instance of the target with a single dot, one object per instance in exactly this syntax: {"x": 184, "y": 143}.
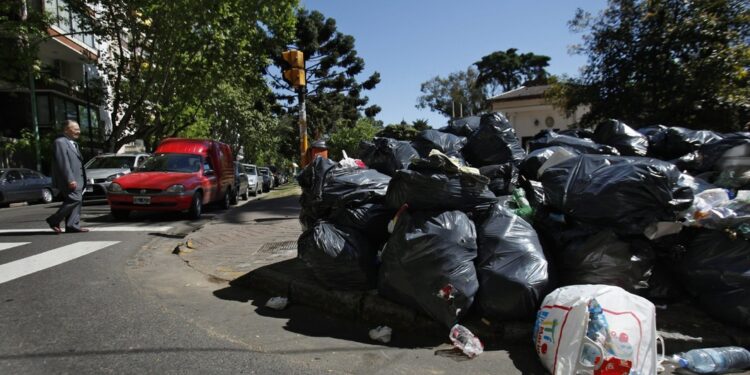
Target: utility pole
{"x": 294, "y": 75}
{"x": 34, "y": 120}
{"x": 303, "y": 142}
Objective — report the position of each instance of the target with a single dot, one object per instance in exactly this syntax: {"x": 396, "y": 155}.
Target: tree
{"x": 402, "y": 131}
{"x": 21, "y": 29}
{"x": 674, "y": 62}
{"x": 506, "y": 70}
{"x": 421, "y": 124}
{"x": 164, "y": 68}
{"x": 332, "y": 65}
{"x": 348, "y": 138}
{"x": 458, "y": 94}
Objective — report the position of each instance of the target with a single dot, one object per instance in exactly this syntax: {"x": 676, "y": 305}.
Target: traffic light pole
{"x": 302, "y": 126}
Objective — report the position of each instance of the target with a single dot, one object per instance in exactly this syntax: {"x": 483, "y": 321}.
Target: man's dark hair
{"x": 67, "y": 123}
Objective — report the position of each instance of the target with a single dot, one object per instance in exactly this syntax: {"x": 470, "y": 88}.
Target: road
{"x": 118, "y": 301}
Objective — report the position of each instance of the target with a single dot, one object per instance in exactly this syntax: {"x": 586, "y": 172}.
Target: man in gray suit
{"x": 69, "y": 176}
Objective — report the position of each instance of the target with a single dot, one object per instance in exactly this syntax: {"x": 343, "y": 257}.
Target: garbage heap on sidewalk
{"x": 464, "y": 221}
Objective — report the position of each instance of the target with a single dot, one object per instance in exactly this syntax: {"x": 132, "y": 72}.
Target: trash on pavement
{"x": 463, "y": 127}
{"x": 339, "y": 257}
{"x": 430, "y": 139}
{"x": 464, "y": 340}
{"x": 428, "y": 264}
{"x": 714, "y": 360}
{"x": 549, "y": 138}
{"x": 381, "y": 333}
{"x": 277, "y": 303}
{"x": 503, "y": 178}
{"x": 494, "y": 142}
{"x": 510, "y": 265}
{"x": 387, "y": 155}
{"x": 605, "y": 327}
{"x": 625, "y": 139}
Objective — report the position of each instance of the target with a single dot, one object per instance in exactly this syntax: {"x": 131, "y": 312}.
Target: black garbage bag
{"x": 577, "y": 132}
{"x": 339, "y": 257}
{"x": 311, "y": 180}
{"x": 435, "y": 190}
{"x": 657, "y": 140}
{"x": 709, "y": 155}
{"x": 626, "y": 193}
{"x": 529, "y": 167}
{"x": 495, "y": 142}
{"x": 446, "y": 143}
{"x": 370, "y": 219}
{"x": 716, "y": 269}
{"x": 462, "y": 127}
{"x": 625, "y": 139}
{"x": 604, "y": 258}
{"x": 387, "y": 155}
{"x": 326, "y": 187}
{"x": 511, "y": 267}
{"x": 548, "y": 138}
{"x": 428, "y": 264}
{"x": 503, "y": 178}
{"x": 681, "y": 141}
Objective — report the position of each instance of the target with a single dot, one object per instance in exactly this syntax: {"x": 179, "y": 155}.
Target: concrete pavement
{"x": 254, "y": 247}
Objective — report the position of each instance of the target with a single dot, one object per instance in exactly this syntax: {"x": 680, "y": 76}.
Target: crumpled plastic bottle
{"x": 463, "y": 339}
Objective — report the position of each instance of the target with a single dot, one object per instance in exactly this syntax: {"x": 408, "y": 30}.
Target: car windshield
{"x": 183, "y": 163}
{"x": 111, "y": 162}
{"x": 264, "y": 172}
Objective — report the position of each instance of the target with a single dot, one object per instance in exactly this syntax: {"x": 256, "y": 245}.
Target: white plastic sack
{"x": 562, "y": 321}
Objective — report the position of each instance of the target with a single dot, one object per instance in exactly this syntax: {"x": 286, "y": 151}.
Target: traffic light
{"x": 294, "y": 72}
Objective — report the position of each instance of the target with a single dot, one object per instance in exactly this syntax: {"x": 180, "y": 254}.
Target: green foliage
{"x": 457, "y": 93}
{"x": 176, "y": 53}
{"x": 673, "y": 62}
{"x": 348, "y": 138}
{"x": 506, "y": 70}
{"x": 333, "y": 93}
{"x": 421, "y": 124}
{"x": 21, "y": 31}
{"x": 403, "y": 132}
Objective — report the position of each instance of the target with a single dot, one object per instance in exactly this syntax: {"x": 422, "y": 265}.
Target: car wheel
{"x": 120, "y": 214}
{"x": 196, "y": 207}
{"x": 46, "y": 195}
{"x": 246, "y": 194}
{"x": 226, "y": 202}
{"x": 254, "y": 192}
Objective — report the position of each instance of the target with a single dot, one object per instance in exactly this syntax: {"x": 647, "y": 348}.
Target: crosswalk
{"x": 25, "y": 266}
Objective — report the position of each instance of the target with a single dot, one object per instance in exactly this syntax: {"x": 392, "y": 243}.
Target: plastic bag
{"x": 511, "y": 267}
{"x": 387, "y": 155}
{"x": 657, "y": 140}
{"x": 503, "y": 178}
{"x": 625, "y": 139}
{"x": 277, "y": 303}
{"x": 463, "y": 127}
{"x": 464, "y": 340}
{"x": 446, "y": 143}
{"x": 535, "y": 159}
{"x": 628, "y": 338}
{"x": 381, "y": 333}
{"x": 680, "y": 141}
{"x": 494, "y": 142}
{"x": 624, "y": 192}
{"x": 715, "y": 269}
{"x": 370, "y": 219}
{"x": 339, "y": 257}
{"x": 311, "y": 180}
{"x": 548, "y": 138}
{"x": 428, "y": 264}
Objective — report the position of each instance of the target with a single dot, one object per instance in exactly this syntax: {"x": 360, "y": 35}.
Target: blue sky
{"x": 410, "y": 41}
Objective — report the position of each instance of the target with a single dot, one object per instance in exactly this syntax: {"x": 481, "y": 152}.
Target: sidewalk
{"x": 255, "y": 246}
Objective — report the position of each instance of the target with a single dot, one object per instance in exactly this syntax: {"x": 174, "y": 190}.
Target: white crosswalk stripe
{"x": 133, "y": 228}
{"x": 10, "y": 245}
{"x": 26, "y": 266}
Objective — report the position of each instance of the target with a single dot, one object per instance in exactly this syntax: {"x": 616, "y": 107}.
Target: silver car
{"x": 254, "y": 182}
{"x": 102, "y": 169}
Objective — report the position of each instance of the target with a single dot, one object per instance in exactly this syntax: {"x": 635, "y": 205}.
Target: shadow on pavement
{"x": 311, "y": 322}
{"x": 266, "y": 210}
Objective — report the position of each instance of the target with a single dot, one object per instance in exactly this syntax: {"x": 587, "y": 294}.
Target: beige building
{"x": 529, "y": 113}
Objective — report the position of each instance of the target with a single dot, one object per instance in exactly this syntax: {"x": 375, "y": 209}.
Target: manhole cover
{"x": 277, "y": 247}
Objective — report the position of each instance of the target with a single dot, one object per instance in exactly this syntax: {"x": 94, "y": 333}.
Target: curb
{"x": 371, "y": 308}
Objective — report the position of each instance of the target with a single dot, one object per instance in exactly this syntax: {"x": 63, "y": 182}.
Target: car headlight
{"x": 114, "y": 176}
{"x": 115, "y": 187}
{"x": 176, "y": 189}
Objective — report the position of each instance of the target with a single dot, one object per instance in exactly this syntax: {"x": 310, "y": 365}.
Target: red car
{"x": 182, "y": 175}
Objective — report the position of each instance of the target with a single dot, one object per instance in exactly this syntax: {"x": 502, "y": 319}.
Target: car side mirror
{"x": 209, "y": 173}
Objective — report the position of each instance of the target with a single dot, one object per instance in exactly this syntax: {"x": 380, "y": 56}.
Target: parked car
{"x": 274, "y": 174}
{"x": 103, "y": 169}
{"x": 25, "y": 185}
{"x": 254, "y": 182}
{"x": 182, "y": 175}
{"x": 240, "y": 181}
{"x": 267, "y": 178}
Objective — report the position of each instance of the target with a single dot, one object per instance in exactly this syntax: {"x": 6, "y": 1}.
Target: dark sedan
{"x": 25, "y": 185}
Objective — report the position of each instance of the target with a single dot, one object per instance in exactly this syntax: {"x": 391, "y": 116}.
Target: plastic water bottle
{"x": 715, "y": 360}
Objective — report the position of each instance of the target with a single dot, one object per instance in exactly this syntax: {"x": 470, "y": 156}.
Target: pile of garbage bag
{"x": 469, "y": 220}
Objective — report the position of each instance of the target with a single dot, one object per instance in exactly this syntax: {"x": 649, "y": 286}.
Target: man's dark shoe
{"x": 54, "y": 227}
{"x": 76, "y": 230}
